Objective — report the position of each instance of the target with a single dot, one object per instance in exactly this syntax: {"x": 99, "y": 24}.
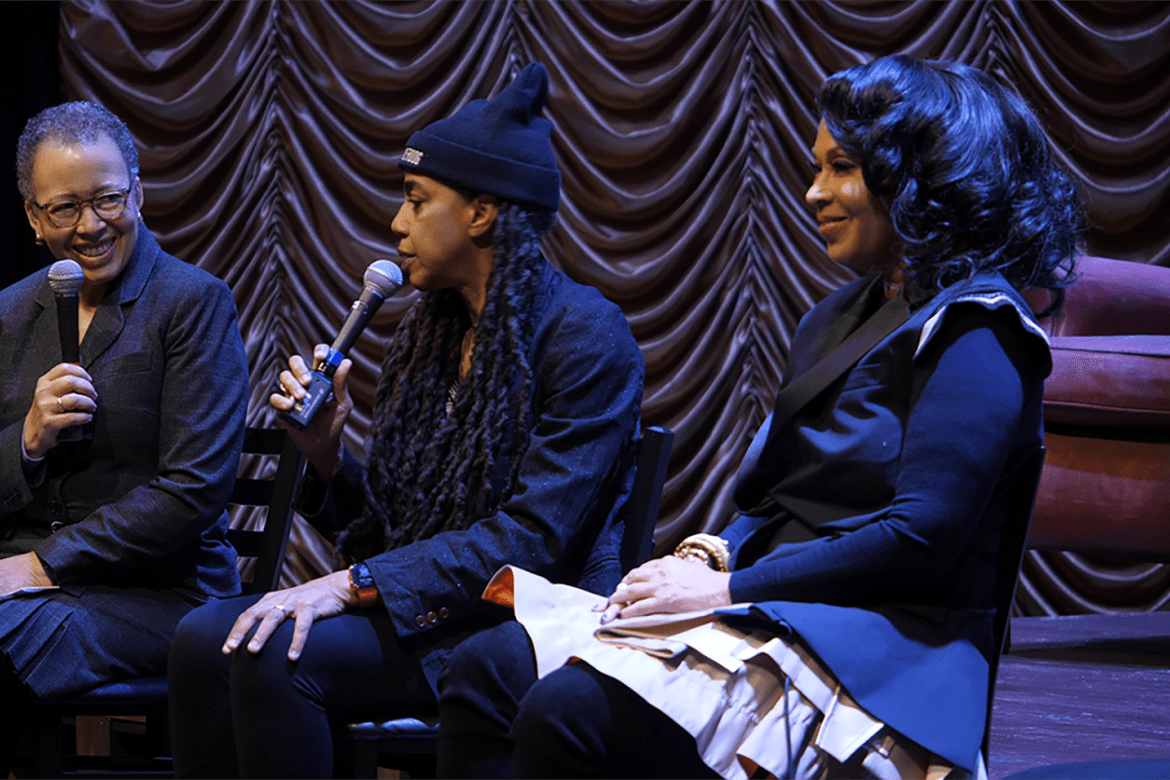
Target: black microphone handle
{"x": 68, "y": 329}
{"x": 70, "y": 333}
{"x": 360, "y": 314}
{"x": 320, "y": 388}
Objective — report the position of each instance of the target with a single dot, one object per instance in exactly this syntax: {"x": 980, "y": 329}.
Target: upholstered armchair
{"x": 1106, "y": 481}
{"x": 1100, "y": 536}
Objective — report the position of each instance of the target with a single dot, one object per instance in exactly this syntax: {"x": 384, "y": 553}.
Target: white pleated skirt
{"x": 751, "y": 700}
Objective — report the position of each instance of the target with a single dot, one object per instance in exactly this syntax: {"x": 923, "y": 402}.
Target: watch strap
{"x": 361, "y": 582}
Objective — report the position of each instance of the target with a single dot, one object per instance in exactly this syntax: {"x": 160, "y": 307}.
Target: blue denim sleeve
{"x": 590, "y": 378}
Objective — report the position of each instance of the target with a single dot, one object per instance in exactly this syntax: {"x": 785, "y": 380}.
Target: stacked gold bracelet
{"x": 707, "y": 549}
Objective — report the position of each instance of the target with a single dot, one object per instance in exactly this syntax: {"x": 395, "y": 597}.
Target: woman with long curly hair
{"x": 503, "y": 432}
{"x": 841, "y": 626}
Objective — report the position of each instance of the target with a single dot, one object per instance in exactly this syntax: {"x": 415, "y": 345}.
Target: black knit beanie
{"x": 497, "y": 146}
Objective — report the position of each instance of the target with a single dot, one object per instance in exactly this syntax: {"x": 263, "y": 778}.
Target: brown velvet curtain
{"x": 270, "y": 133}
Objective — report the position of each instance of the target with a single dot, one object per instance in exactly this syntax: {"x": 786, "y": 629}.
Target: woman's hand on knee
{"x": 320, "y": 598}
{"x": 668, "y": 585}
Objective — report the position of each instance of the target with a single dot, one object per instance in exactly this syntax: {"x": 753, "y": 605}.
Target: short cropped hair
{"x": 71, "y": 123}
{"x": 962, "y": 163}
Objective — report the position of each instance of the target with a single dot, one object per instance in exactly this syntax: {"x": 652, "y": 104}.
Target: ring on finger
{"x": 60, "y": 406}
{"x": 285, "y": 610}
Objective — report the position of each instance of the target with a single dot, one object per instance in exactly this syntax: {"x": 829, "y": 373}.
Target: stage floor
{"x": 1082, "y": 701}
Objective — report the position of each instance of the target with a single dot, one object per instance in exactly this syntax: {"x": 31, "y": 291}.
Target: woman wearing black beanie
{"x": 503, "y": 432}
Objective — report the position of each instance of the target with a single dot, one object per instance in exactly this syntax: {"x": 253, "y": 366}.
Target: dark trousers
{"x": 60, "y": 643}
{"x": 260, "y": 715}
{"x": 64, "y": 642}
{"x": 497, "y": 719}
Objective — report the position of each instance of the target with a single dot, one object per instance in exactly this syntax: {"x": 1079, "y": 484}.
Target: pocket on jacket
{"x": 863, "y": 376}
{"x": 132, "y": 363}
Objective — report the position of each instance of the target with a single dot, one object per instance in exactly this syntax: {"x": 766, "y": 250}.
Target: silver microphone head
{"x": 384, "y": 277}
{"x": 66, "y": 277}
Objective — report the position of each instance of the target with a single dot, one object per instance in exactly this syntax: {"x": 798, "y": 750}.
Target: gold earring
{"x": 40, "y": 241}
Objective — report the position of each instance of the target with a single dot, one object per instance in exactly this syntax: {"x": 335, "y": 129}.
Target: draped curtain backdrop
{"x": 270, "y": 131}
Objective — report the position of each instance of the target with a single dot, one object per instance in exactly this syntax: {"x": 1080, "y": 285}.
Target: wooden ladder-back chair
{"x": 270, "y": 544}
{"x": 146, "y": 697}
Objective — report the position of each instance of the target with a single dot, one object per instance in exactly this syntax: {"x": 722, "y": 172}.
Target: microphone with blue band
{"x": 381, "y": 281}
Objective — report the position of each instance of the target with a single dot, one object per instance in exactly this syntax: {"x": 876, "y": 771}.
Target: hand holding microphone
{"x": 65, "y": 399}
{"x": 381, "y": 280}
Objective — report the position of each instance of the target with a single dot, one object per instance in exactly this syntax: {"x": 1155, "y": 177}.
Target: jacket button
{"x": 444, "y": 613}
{"x": 432, "y": 618}
{"x": 56, "y": 508}
{"x": 420, "y": 621}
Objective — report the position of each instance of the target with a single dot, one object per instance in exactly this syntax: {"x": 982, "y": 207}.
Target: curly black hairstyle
{"x": 965, "y": 169}
{"x": 429, "y": 471}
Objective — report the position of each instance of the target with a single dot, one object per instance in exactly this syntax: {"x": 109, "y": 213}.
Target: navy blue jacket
{"x": 888, "y": 569}
{"x": 567, "y": 512}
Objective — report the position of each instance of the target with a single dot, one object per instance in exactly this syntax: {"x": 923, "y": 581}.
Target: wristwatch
{"x": 361, "y": 582}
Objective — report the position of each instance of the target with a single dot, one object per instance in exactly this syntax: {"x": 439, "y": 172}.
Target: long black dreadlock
{"x": 429, "y": 470}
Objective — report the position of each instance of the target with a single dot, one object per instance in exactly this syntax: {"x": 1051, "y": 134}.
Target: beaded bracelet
{"x": 708, "y": 549}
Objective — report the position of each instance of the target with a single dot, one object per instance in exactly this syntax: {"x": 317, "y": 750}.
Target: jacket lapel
{"x": 109, "y": 319}
{"x": 44, "y": 340}
{"x": 844, "y": 345}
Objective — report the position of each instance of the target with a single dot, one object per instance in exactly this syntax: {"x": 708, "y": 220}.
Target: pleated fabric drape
{"x": 269, "y": 134}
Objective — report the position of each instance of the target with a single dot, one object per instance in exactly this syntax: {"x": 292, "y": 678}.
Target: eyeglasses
{"x": 67, "y": 213}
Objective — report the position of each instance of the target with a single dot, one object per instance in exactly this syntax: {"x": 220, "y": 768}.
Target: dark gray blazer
{"x": 143, "y": 503}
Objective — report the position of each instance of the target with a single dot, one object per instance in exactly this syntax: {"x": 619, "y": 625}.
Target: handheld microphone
{"x": 66, "y": 277}
{"x": 381, "y": 280}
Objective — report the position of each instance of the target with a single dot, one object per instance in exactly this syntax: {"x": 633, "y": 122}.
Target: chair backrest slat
{"x": 268, "y": 546}
{"x": 649, "y": 478}
{"x": 1018, "y": 500}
